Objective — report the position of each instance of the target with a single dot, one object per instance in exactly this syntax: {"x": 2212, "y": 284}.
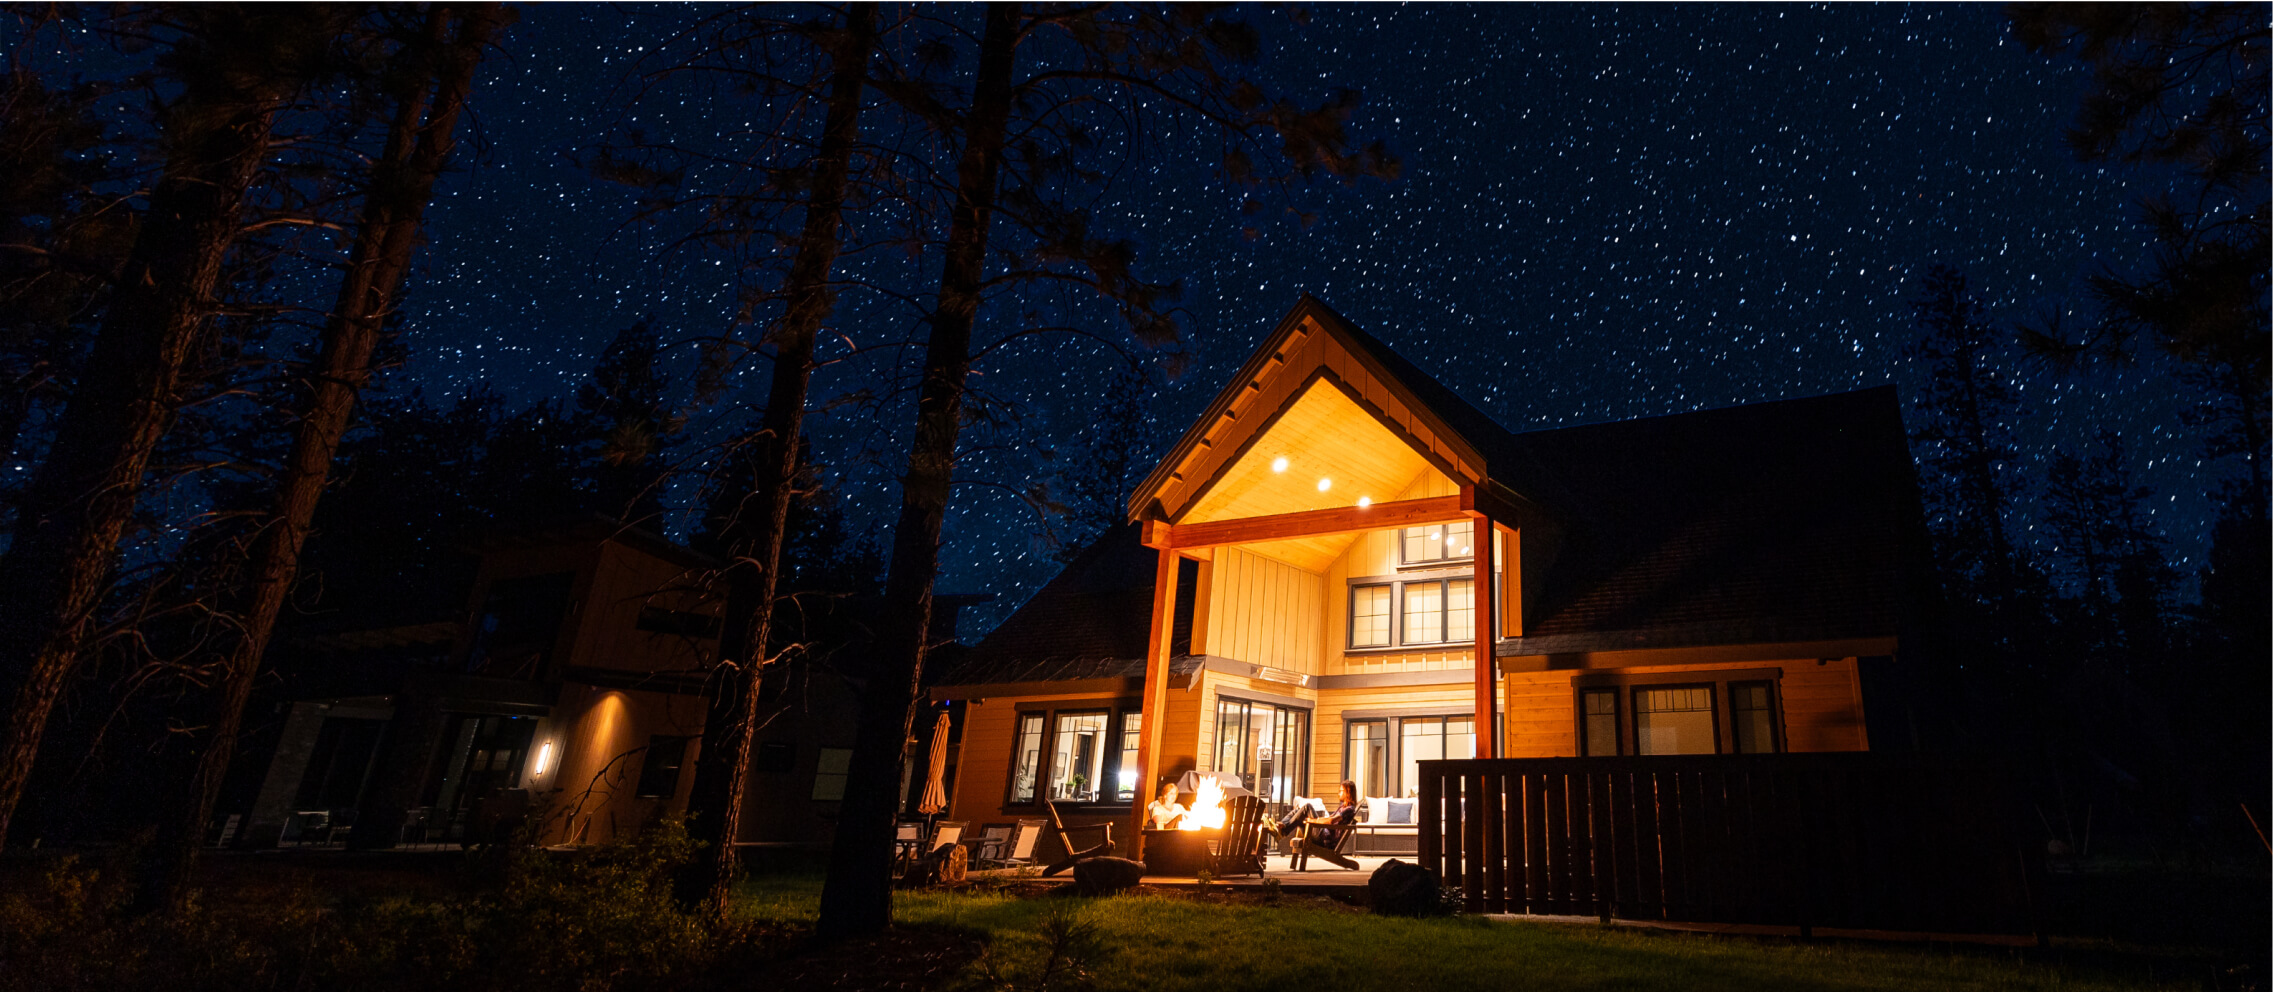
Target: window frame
{"x": 1714, "y": 711}
{"x": 1388, "y": 749}
{"x": 1404, "y": 561}
{"x": 1394, "y": 616}
{"x": 1617, "y": 714}
{"x": 1302, "y": 781}
{"x": 1443, "y": 584}
{"x": 1108, "y": 749}
{"x": 1775, "y": 709}
{"x": 1116, "y": 709}
{"x": 1393, "y": 721}
{"x": 1719, "y": 680}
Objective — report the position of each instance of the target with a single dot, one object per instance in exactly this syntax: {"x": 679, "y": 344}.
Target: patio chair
{"x": 907, "y": 837}
{"x": 1076, "y": 855}
{"x": 1240, "y": 850}
{"x": 1304, "y": 847}
{"x": 992, "y": 839}
{"x": 945, "y": 833}
{"x": 1016, "y": 849}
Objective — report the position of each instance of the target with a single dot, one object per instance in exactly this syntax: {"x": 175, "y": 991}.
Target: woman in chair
{"x": 1320, "y": 835}
{"x": 1165, "y": 811}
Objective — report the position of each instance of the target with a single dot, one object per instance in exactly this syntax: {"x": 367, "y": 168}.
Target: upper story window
{"x": 1369, "y": 616}
{"x": 1437, "y": 543}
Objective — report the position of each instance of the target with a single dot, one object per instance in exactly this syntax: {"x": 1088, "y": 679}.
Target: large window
{"x": 1674, "y": 720}
{"x": 1369, "y": 756}
{"x": 1085, "y": 753}
{"x": 1267, "y": 746}
{"x": 1077, "y": 764}
{"x": 1369, "y": 616}
{"x": 659, "y": 770}
{"x": 1440, "y": 611}
{"x": 1431, "y": 738}
{"x": 1026, "y": 758}
{"x": 1752, "y": 716}
{"x": 1438, "y": 542}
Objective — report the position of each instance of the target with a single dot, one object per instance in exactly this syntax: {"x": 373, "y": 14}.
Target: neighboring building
{"x": 573, "y": 696}
{"x": 1307, "y": 578}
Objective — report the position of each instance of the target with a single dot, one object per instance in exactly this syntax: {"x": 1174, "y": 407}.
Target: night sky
{"x": 1605, "y": 213}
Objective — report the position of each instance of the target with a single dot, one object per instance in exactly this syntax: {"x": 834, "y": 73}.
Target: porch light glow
{"x": 1278, "y": 464}
{"x": 544, "y": 758}
{"x": 1325, "y": 484}
{"x": 1364, "y": 501}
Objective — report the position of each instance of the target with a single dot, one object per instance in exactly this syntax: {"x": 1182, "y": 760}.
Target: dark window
{"x": 829, "y": 777}
{"x": 1267, "y": 746}
{"x": 657, "y": 620}
{"x": 1598, "y": 711}
{"x": 1437, "y": 542}
{"x": 775, "y": 757}
{"x": 1367, "y": 756}
{"x": 1674, "y": 720}
{"x": 659, "y": 772}
{"x": 483, "y": 754}
{"x": 340, "y": 765}
{"x": 1752, "y": 715}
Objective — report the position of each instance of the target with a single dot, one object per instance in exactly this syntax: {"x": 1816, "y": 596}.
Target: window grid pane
{"x": 1600, "y": 709}
{"x": 1460, "y": 610}
{"x": 1674, "y": 721}
{"x": 1078, "y": 759}
{"x": 1424, "y": 612}
{"x": 1369, "y": 616}
{"x": 1125, "y": 778}
{"x": 1028, "y": 770}
{"x": 1752, "y": 718}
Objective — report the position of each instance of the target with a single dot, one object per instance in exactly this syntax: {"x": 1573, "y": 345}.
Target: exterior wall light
{"x": 544, "y": 758}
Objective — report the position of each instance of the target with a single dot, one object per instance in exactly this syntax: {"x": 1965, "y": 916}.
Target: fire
{"x": 1207, "y": 807}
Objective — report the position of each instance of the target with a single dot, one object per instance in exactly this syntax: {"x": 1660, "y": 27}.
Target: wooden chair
{"x": 1075, "y": 855}
{"x": 1304, "y": 847}
{"x": 1240, "y": 850}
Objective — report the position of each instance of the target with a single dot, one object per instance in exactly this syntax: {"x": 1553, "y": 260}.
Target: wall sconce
{"x": 544, "y": 758}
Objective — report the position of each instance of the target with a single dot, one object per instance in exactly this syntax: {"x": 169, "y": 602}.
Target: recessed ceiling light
{"x": 1364, "y": 501}
{"x": 1325, "y": 484}
{"x": 1278, "y": 464}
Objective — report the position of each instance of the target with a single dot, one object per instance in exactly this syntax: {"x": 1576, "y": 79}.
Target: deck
{"x": 1320, "y": 877}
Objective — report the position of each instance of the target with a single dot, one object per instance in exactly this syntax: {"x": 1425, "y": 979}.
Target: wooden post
{"x": 1487, "y": 619}
{"x": 1163, "y": 632}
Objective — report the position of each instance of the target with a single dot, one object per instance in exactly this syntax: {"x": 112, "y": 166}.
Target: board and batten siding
{"x": 1374, "y": 553}
{"x": 1266, "y": 612}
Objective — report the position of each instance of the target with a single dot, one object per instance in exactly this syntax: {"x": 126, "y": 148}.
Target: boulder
{"x": 1106, "y": 876}
{"x": 1401, "y": 889}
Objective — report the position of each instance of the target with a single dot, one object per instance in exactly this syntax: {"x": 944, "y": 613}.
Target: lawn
{"x": 1163, "y": 942}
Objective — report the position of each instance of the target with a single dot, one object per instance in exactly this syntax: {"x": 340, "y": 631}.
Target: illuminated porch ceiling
{"x": 1322, "y": 451}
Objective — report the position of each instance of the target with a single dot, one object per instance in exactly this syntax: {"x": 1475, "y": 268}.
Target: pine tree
{"x": 1097, "y": 476}
{"x": 627, "y": 401}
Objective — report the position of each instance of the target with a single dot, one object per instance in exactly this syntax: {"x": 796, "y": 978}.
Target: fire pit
{"x": 1183, "y": 850}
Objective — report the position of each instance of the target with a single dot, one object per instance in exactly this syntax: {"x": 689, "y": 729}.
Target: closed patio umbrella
{"x": 935, "y": 782}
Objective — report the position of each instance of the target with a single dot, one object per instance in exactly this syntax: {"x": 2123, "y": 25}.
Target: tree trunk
{"x": 857, "y": 898}
{"x": 723, "y": 768}
{"x": 53, "y": 575}
{"x": 402, "y": 182}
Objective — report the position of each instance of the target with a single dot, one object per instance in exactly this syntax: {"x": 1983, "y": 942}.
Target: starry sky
{"x": 1604, "y": 213}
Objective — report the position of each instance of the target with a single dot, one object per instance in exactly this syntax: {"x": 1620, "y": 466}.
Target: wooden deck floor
{"x": 1320, "y": 876}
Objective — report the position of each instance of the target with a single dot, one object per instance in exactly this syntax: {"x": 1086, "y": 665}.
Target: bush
{"x": 596, "y": 920}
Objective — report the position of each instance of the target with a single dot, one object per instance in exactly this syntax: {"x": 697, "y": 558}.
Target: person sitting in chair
{"x": 1320, "y": 835}
{"x": 1165, "y": 811}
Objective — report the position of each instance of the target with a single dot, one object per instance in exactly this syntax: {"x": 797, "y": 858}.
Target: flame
{"x": 1207, "y": 807}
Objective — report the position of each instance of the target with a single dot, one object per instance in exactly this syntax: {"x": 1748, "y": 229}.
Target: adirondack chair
{"x": 1075, "y": 855}
{"x": 1240, "y": 850}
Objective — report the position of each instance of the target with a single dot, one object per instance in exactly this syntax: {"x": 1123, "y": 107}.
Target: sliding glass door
{"x": 1266, "y": 745}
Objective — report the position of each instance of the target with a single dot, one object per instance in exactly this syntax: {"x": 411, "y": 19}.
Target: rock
{"x": 1106, "y": 876}
{"x": 1401, "y": 889}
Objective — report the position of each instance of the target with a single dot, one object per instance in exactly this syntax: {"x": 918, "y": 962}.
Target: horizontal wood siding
{"x": 982, "y": 772}
{"x": 1542, "y": 715}
{"x": 1328, "y": 735}
{"x": 1822, "y": 705}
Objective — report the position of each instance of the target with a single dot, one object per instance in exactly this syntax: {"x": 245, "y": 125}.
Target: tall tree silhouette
{"x": 434, "y": 78}
{"x": 236, "y": 67}
{"x": 1096, "y": 477}
{"x": 1962, "y": 412}
{"x": 1147, "y": 71}
{"x": 627, "y": 400}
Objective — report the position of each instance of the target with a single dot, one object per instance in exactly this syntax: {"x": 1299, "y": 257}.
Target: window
{"x": 1369, "y": 616}
{"x": 1440, "y": 611}
{"x": 1132, "y": 738}
{"x": 659, "y": 771}
{"x": 829, "y": 778}
{"x": 1752, "y": 716}
{"x": 1598, "y": 714}
{"x": 775, "y": 757}
{"x": 1369, "y": 756}
{"x": 1676, "y": 720}
{"x": 1438, "y": 542}
{"x": 1431, "y": 738}
{"x": 1077, "y": 762}
{"x": 1267, "y": 746}
{"x": 1027, "y": 758}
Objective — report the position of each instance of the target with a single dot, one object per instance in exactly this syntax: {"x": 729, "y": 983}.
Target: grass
{"x": 1165, "y": 943}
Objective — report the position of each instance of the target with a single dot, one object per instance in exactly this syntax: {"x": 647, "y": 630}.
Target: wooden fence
{"x": 1858, "y": 840}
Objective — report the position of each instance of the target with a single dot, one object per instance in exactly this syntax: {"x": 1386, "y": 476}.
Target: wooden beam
{"x": 1153, "y": 734}
{"x": 1308, "y": 523}
{"x": 1486, "y": 625}
{"x": 1485, "y": 501}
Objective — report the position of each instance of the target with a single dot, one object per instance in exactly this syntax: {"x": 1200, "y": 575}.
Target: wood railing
{"x": 1850, "y": 840}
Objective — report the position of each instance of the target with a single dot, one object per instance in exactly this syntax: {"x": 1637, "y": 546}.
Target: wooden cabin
{"x": 1306, "y": 581}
